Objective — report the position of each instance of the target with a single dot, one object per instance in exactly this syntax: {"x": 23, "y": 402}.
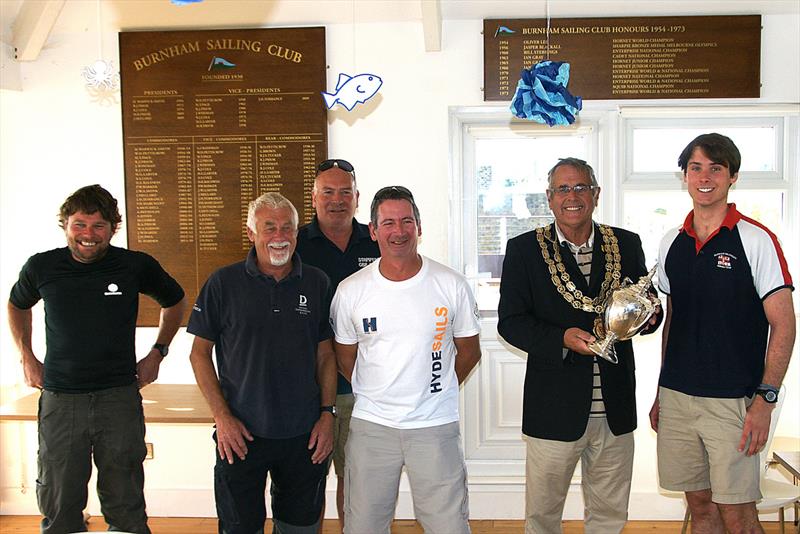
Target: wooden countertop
{"x": 163, "y": 403}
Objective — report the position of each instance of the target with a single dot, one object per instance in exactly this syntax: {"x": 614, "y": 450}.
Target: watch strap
{"x": 162, "y": 349}
{"x": 768, "y": 392}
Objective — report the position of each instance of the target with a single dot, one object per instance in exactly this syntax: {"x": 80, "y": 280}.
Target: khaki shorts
{"x": 697, "y": 441}
{"x": 341, "y": 429}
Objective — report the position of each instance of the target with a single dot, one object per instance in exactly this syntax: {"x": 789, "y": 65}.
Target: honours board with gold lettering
{"x": 211, "y": 120}
{"x": 631, "y": 57}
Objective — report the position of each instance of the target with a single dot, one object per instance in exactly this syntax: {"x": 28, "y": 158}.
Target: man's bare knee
{"x": 699, "y": 501}
{"x": 704, "y": 512}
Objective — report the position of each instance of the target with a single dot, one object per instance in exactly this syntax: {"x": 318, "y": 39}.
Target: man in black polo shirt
{"x": 728, "y": 338}
{"x": 272, "y": 399}
{"x": 339, "y": 245}
{"x": 90, "y": 407}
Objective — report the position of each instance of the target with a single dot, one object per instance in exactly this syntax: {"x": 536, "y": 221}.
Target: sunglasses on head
{"x": 345, "y": 165}
{"x": 393, "y": 190}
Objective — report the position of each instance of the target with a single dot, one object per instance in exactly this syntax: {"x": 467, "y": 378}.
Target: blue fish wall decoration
{"x": 352, "y": 90}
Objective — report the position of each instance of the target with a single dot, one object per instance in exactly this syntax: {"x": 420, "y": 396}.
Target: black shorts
{"x": 297, "y": 485}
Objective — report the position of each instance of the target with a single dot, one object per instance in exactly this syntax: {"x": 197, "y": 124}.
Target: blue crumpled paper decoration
{"x": 542, "y": 95}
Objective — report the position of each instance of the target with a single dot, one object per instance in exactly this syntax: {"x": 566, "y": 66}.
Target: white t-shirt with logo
{"x": 404, "y": 375}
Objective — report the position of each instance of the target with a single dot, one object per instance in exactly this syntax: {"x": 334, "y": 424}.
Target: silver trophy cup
{"x": 626, "y": 309}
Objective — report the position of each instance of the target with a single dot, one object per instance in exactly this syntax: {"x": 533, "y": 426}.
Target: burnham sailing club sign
{"x": 211, "y": 120}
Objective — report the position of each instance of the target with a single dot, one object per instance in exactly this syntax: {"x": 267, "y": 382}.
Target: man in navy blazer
{"x": 576, "y": 405}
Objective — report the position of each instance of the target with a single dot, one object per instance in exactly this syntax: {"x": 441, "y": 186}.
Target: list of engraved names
{"x": 211, "y": 120}
{"x": 622, "y": 58}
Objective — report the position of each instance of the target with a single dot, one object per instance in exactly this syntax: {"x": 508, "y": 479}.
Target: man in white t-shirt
{"x": 406, "y": 336}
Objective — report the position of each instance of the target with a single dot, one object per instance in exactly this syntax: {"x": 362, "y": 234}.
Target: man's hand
{"x": 654, "y": 414}
{"x": 756, "y": 426}
{"x": 147, "y": 368}
{"x": 578, "y": 340}
{"x": 654, "y": 322}
{"x": 232, "y": 438}
{"x": 34, "y": 372}
{"x": 654, "y": 318}
{"x": 322, "y": 438}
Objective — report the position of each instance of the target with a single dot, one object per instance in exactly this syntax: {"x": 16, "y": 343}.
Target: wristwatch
{"x": 161, "y": 348}
{"x": 768, "y": 393}
{"x": 330, "y": 409}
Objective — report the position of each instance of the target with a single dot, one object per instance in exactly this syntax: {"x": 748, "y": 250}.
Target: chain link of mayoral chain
{"x": 561, "y": 279}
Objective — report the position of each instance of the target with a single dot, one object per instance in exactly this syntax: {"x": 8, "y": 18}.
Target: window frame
{"x": 656, "y": 179}
{"x": 467, "y": 125}
{"x": 785, "y": 119}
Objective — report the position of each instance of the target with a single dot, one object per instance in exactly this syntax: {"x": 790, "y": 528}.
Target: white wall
{"x": 54, "y": 139}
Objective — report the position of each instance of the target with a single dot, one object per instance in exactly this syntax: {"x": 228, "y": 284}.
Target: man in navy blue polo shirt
{"x": 728, "y": 338}
{"x": 339, "y": 245}
{"x": 273, "y": 391}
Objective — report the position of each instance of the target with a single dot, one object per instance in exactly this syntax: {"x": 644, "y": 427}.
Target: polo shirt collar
{"x": 359, "y": 232}
{"x": 573, "y": 246}
{"x": 251, "y": 265}
{"x": 731, "y": 218}
{"x": 314, "y": 231}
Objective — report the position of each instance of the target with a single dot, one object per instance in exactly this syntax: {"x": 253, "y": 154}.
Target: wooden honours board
{"x": 211, "y": 120}
{"x": 635, "y": 57}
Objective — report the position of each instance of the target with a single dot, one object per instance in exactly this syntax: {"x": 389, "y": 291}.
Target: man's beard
{"x": 279, "y": 258}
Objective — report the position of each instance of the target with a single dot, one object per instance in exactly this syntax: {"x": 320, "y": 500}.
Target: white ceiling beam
{"x": 34, "y": 21}
{"x": 432, "y": 24}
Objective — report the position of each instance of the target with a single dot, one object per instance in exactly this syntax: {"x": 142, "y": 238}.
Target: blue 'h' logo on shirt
{"x": 370, "y": 324}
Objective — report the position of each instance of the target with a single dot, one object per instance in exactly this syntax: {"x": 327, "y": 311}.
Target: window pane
{"x": 651, "y": 213}
{"x": 511, "y": 178}
{"x": 764, "y": 206}
{"x": 657, "y": 149}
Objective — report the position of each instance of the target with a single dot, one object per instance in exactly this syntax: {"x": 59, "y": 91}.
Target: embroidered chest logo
{"x": 364, "y": 261}
{"x": 370, "y": 324}
{"x": 436, "y": 349}
{"x": 724, "y": 260}
{"x": 113, "y": 289}
{"x": 302, "y": 306}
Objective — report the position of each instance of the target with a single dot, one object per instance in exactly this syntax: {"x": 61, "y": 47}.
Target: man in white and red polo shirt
{"x": 728, "y": 337}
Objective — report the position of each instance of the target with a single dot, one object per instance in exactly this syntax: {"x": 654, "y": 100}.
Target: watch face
{"x": 770, "y": 396}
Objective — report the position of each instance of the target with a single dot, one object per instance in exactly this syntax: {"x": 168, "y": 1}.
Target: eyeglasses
{"x": 393, "y": 192}
{"x": 345, "y": 165}
{"x": 567, "y": 189}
